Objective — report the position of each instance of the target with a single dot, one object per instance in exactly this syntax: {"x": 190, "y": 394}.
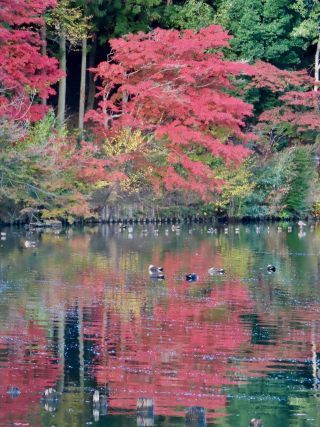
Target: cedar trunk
{"x": 83, "y": 84}
{"x": 63, "y": 80}
{"x": 317, "y": 66}
{"x": 91, "y": 82}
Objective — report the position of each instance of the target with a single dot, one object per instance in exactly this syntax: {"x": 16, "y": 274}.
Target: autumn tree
{"x": 176, "y": 87}
{"x": 26, "y": 75}
{"x": 295, "y": 117}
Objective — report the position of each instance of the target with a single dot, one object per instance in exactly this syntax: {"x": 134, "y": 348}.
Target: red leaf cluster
{"x": 25, "y": 73}
{"x": 299, "y": 104}
{"x": 177, "y": 87}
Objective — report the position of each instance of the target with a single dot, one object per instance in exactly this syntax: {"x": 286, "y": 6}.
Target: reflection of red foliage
{"x": 178, "y": 355}
{"x": 30, "y": 366}
{"x": 176, "y": 342}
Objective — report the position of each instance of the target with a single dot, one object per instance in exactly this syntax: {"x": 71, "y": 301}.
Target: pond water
{"x": 80, "y": 317}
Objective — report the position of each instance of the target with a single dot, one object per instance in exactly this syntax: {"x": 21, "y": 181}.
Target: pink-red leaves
{"x": 24, "y": 73}
{"x": 173, "y": 85}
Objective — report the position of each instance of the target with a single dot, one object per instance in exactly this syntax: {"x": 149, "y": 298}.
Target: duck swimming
{"x": 213, "y": 271}
{"x": 255, "y": 422}
{"x": 156, "y": 272}
{"x": 153, "y": 269}
{"x": 175, "y": 227}
{"x": 211, "y": 230}
{"x": 30, "y": 244}
{"x": 271, "y": 268}
{"x": 192, "y": 277}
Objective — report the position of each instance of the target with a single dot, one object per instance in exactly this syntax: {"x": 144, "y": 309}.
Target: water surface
{"x": 79, "y": 314}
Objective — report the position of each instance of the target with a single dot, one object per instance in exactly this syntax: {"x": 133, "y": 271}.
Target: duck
{"x": 156, "y": 272}
{"x": 30, "y": 244}
{"x": 175, "y": 227}
{"x": 153, "y": 269}
{"x": 211, "y": 230}
{"x": 255, "y": 422}
{"x": 271, "y": 268}
{"x": 213, "y": 271}
{"x": 50, "y": 399}
{"x": 192, "y": 277}
{"x": 50, "y": 393}
{"x": 301, "y": 223}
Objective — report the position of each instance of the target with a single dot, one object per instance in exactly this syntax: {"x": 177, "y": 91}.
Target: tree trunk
{"x": 43, "y": 35}
{"x": 317, "y": 66}
{"x": 83, "y": 84}
{"x": 63, "y": 80}
{"x": 169, "y": 3}
{"x": 91, "y": 82}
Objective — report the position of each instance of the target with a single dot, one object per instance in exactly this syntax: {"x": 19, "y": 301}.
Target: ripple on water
{"x": 80, "y": 314}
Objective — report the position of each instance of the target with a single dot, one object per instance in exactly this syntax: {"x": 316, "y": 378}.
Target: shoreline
{"x": 149, "y": 221}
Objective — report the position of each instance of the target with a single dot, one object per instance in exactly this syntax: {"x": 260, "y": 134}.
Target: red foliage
{"x": 300, "y": 109}
{"x": 25, "y": 73}
{"x": 31, "y": 368}
{"x": 299, "y": 104}
{"x": 177, "y": 87}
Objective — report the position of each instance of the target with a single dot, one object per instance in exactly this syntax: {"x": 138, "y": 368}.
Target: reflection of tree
{"x": 178, "y": 356}
{"x": 26, "y": 364}
{"x": 176, "y": 342}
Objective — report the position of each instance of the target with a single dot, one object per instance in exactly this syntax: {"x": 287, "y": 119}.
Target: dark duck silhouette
{"x": 271, "y": 268}
{"x": 156, "y": 272}
{"x": 192, "y": 277}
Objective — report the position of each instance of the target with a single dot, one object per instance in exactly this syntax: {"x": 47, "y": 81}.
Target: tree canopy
{"x": 172, "y": 112}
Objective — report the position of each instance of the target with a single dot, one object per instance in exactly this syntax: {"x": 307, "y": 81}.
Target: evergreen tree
{"x": 194, "y": 14}
{"x": 262, "y": 30}
{"x": 301, "y": 168}
{"x": 309, "y": 29}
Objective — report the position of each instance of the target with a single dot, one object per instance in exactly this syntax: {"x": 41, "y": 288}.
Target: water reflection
{"x": 86, "y": 336}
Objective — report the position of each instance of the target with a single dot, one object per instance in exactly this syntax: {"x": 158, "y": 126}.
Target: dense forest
{"x": 129, "y": 108}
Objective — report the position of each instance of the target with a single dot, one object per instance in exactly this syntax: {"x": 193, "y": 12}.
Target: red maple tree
{"x": 298, "y": 104}
{"x": 177, "y": 88}
{"x": 25, "y": 74}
